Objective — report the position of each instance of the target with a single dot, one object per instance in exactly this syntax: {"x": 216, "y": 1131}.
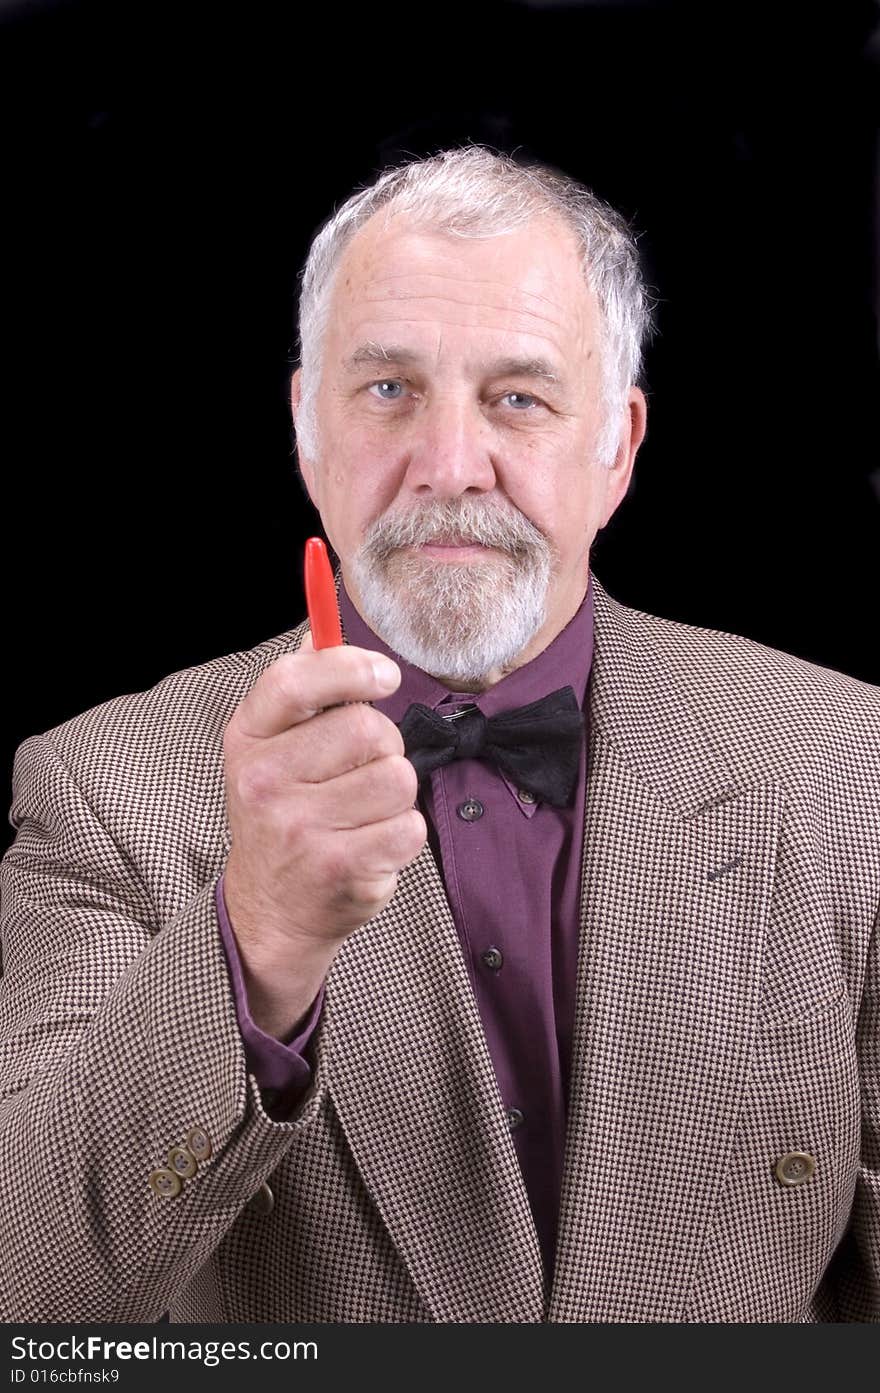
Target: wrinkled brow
{"x": 386, "y": 355}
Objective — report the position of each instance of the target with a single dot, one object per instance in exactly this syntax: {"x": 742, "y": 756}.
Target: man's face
{"x": 458, "y": 417}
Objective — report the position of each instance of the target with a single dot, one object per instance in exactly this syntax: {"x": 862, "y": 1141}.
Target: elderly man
{"x": 515, "y": 961}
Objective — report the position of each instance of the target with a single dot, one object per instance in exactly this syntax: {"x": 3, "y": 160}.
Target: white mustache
{"x": 460, "y": 523}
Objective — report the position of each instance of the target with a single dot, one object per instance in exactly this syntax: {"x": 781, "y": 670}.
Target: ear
{"x": 632, "y": 434}
{"x": 306, "y": 465}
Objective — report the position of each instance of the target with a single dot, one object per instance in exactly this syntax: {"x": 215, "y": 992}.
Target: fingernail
{"x": 387, "y": 673}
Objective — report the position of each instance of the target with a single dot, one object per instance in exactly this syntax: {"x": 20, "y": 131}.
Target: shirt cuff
{"x": 280, "y": 1069}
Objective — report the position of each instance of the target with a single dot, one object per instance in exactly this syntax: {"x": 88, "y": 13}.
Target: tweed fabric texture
{"x": 728, "y": 1012}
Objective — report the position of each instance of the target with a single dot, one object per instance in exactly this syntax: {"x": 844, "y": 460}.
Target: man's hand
{"x": 320, "y": 803}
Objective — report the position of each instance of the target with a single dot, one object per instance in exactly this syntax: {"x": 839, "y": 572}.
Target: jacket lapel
{"x": 677, "y": 879}
{"x": 412, "y": 1082}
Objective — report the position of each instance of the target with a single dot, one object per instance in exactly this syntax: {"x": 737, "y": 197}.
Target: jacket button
{"x": 182, "y": 1161}
{"x": 470, "y": 810}
{"x": 165, "y": 1183}
{"x": 525, "y": 796}
{"x": 492, "y": 958}
{"x": 515, "y": 1118}
{"x": 199, "y": 1143}
{"x": 263, "y": 1202}
{"x": 795, "y": 1167}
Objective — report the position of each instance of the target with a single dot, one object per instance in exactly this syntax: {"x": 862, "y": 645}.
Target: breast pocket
{"x": 810, "y": 1041}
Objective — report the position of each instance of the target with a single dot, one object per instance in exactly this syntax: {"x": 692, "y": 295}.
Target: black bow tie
{"x": 537, "y": 746}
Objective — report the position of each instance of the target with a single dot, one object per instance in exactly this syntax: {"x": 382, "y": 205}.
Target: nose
{"x": 450, "y": 450}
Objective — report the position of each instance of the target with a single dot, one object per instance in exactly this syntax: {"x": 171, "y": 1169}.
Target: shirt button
{"x": 470, "y": 810}
{"x": 515, "y": 1118}
{"x": 493, "y": 958}
{"x": 525, "y": 797}
{"x": 795, "y": 1167}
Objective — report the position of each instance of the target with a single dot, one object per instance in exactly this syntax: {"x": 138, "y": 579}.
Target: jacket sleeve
{"x": 131, "y": 1133}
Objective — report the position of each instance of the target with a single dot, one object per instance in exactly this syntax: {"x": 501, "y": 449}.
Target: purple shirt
{"x": 520, "y": 946}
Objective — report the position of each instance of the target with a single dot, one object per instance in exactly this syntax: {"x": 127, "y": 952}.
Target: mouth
{"x": 453, "y": 549}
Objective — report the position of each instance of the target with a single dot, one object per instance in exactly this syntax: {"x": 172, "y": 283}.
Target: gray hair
{"x": 474, "y": 192}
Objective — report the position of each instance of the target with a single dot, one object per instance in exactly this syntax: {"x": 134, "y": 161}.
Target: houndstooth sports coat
{"x": 723, "y": 1148}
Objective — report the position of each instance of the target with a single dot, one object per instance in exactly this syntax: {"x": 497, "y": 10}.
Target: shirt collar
{"x": 565, "y": 662}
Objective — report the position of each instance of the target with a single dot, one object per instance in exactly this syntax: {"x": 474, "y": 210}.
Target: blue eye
{"x": 393, "y": 395}
{"x": 523, "y": 398}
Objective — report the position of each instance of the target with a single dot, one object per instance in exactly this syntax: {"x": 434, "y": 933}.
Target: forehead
{"x": 526, "y": 285}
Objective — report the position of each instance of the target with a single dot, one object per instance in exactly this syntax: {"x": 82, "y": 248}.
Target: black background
{"x": 164, "y": 168}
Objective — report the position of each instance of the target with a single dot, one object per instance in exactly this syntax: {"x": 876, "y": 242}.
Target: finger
{"x": 369, "y": 854}
{"x": 299, "y": 685}
{"x": 333, "y": 742}
{"x": 373, "y": 793}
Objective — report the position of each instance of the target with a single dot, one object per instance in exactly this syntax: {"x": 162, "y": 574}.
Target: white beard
{"x": 454, "y": 619}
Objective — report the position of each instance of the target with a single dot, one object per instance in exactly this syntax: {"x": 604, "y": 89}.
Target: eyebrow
{"x": 385, "y": 355}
